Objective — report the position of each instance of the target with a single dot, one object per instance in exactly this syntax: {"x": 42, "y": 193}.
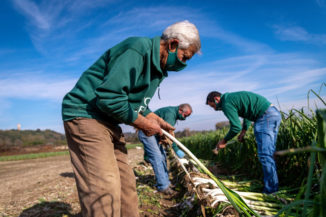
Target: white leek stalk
{"x": 238, "y": 203}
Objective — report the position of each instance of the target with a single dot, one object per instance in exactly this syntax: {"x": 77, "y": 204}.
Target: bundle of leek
{"x": 221, "y": 193}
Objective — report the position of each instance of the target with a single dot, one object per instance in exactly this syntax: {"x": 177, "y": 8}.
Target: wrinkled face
{"x": 185, "y": 54}
{"x": 185, "y": 113}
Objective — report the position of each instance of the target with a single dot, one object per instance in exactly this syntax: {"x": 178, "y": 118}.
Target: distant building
{"x": 19, "y": 127}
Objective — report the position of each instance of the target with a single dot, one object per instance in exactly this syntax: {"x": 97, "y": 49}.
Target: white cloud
{"x": 298, "y": 81}
{"x": 139, "y": 21}
{"x": 53, "y": 21}
{"x": 150, "y": 19}
{"x": 297, "y": 33}
{"x": 154, "y": 18}
{"x": 241, "y": 43}
{"x": 53, "y": 24}
{"x": 33, "y": 13}
{"x": 31, "y": 87}
{"x": 45, "y": 15}
{"x": 305, "y": 77}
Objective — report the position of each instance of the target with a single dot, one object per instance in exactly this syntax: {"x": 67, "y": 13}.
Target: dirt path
{"x": 42, "y": 187}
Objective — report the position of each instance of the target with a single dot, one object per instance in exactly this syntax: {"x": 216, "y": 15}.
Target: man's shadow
{"x": 67, "y": 175}
{"x": 49, "y": 209}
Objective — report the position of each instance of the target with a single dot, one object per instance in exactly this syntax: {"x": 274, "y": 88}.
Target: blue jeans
{"x": 157, "y": 158}
{"x": 266, "y": 129}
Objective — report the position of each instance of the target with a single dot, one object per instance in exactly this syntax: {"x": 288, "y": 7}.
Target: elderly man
{"x": 256, "y": 108}
{"x": 117, "y": 89}
{"x": 154, "y": 151}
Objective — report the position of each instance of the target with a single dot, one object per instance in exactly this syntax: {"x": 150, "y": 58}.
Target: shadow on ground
{"x": 67, "y": 175}
{"x": 49, "y": 209}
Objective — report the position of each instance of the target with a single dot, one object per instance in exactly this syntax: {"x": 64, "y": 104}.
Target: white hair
{"x": 185, "y": 32}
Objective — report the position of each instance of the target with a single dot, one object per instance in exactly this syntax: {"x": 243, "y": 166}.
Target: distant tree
{"x": 131, "y": 137}
{"x": 221, "y": 125}
{"x": 16, "y": 138}
{"x": 185, "y": 133}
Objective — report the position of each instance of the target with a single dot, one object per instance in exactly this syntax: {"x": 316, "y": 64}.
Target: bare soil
{"x": 46, "y": 187}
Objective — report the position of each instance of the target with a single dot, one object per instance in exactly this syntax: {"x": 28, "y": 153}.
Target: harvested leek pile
{"x": 215, "y": 197}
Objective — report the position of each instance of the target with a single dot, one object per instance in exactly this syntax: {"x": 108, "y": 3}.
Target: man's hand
{"x": 221, "y": 144}
{"x": 242, "y": 135}
{"x": 164, "y": 125}
{"x": 153, "y": 128}
{"x": 148, "y": 126}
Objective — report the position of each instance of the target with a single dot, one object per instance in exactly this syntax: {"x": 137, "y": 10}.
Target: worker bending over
{"x": 266, "y": 118}
{"x": 154, "y": 151}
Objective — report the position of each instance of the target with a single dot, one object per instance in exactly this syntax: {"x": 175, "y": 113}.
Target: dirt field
{"x": 42, "y": 187}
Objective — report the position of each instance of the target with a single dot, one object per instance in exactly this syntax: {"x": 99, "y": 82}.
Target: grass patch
{"x": 130, "y": 146}
{"x": 33, "y": 156}
{"x": 49, "y": 154}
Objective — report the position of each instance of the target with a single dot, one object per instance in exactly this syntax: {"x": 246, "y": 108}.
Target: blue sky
{"x": 274, "y": 48}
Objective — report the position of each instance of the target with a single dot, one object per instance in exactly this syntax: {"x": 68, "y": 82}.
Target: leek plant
{"x": 312, "y": 204}
{"x": 321, "y": 117}
{"x": 297, "y": 130}
{"x": 237, "y": 202}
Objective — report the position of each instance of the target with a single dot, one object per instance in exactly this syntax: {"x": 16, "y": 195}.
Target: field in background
{"x": 300, "y": 172}
{"x": 49, "y": 154}
{"x": 32, "y": 156}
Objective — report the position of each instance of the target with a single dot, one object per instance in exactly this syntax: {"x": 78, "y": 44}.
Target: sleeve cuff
{"x": 132, "y": 117}
{"x": 146, "y": 112}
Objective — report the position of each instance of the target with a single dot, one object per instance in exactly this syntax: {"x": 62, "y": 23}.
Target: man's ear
{"x": 173, "y": 44}
{"x": 217, "y": 99}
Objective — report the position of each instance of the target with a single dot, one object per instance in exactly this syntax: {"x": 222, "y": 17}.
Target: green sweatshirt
{"x": 169, "y": 114}
{"x": 248, "y": 105}
{"x": 119, "y": 85}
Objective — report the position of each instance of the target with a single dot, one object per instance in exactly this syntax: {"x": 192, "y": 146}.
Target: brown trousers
{"x": 106, "y": 183}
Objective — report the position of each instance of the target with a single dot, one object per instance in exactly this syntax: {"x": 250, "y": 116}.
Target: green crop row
{"x": 296, "y": 130}
{"x": 300, "y": 158}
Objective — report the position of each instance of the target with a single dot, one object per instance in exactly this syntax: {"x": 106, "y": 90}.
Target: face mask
{"x": 217, "y": 106}
{"x": 180, "y": 117}
{"x": 173, "y": 63}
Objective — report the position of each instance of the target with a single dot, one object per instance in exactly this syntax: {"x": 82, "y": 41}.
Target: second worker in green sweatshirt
{"x": 117, "y": 89}
{"x": 154, "y": 151}
{"x": 252, "y": 108}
